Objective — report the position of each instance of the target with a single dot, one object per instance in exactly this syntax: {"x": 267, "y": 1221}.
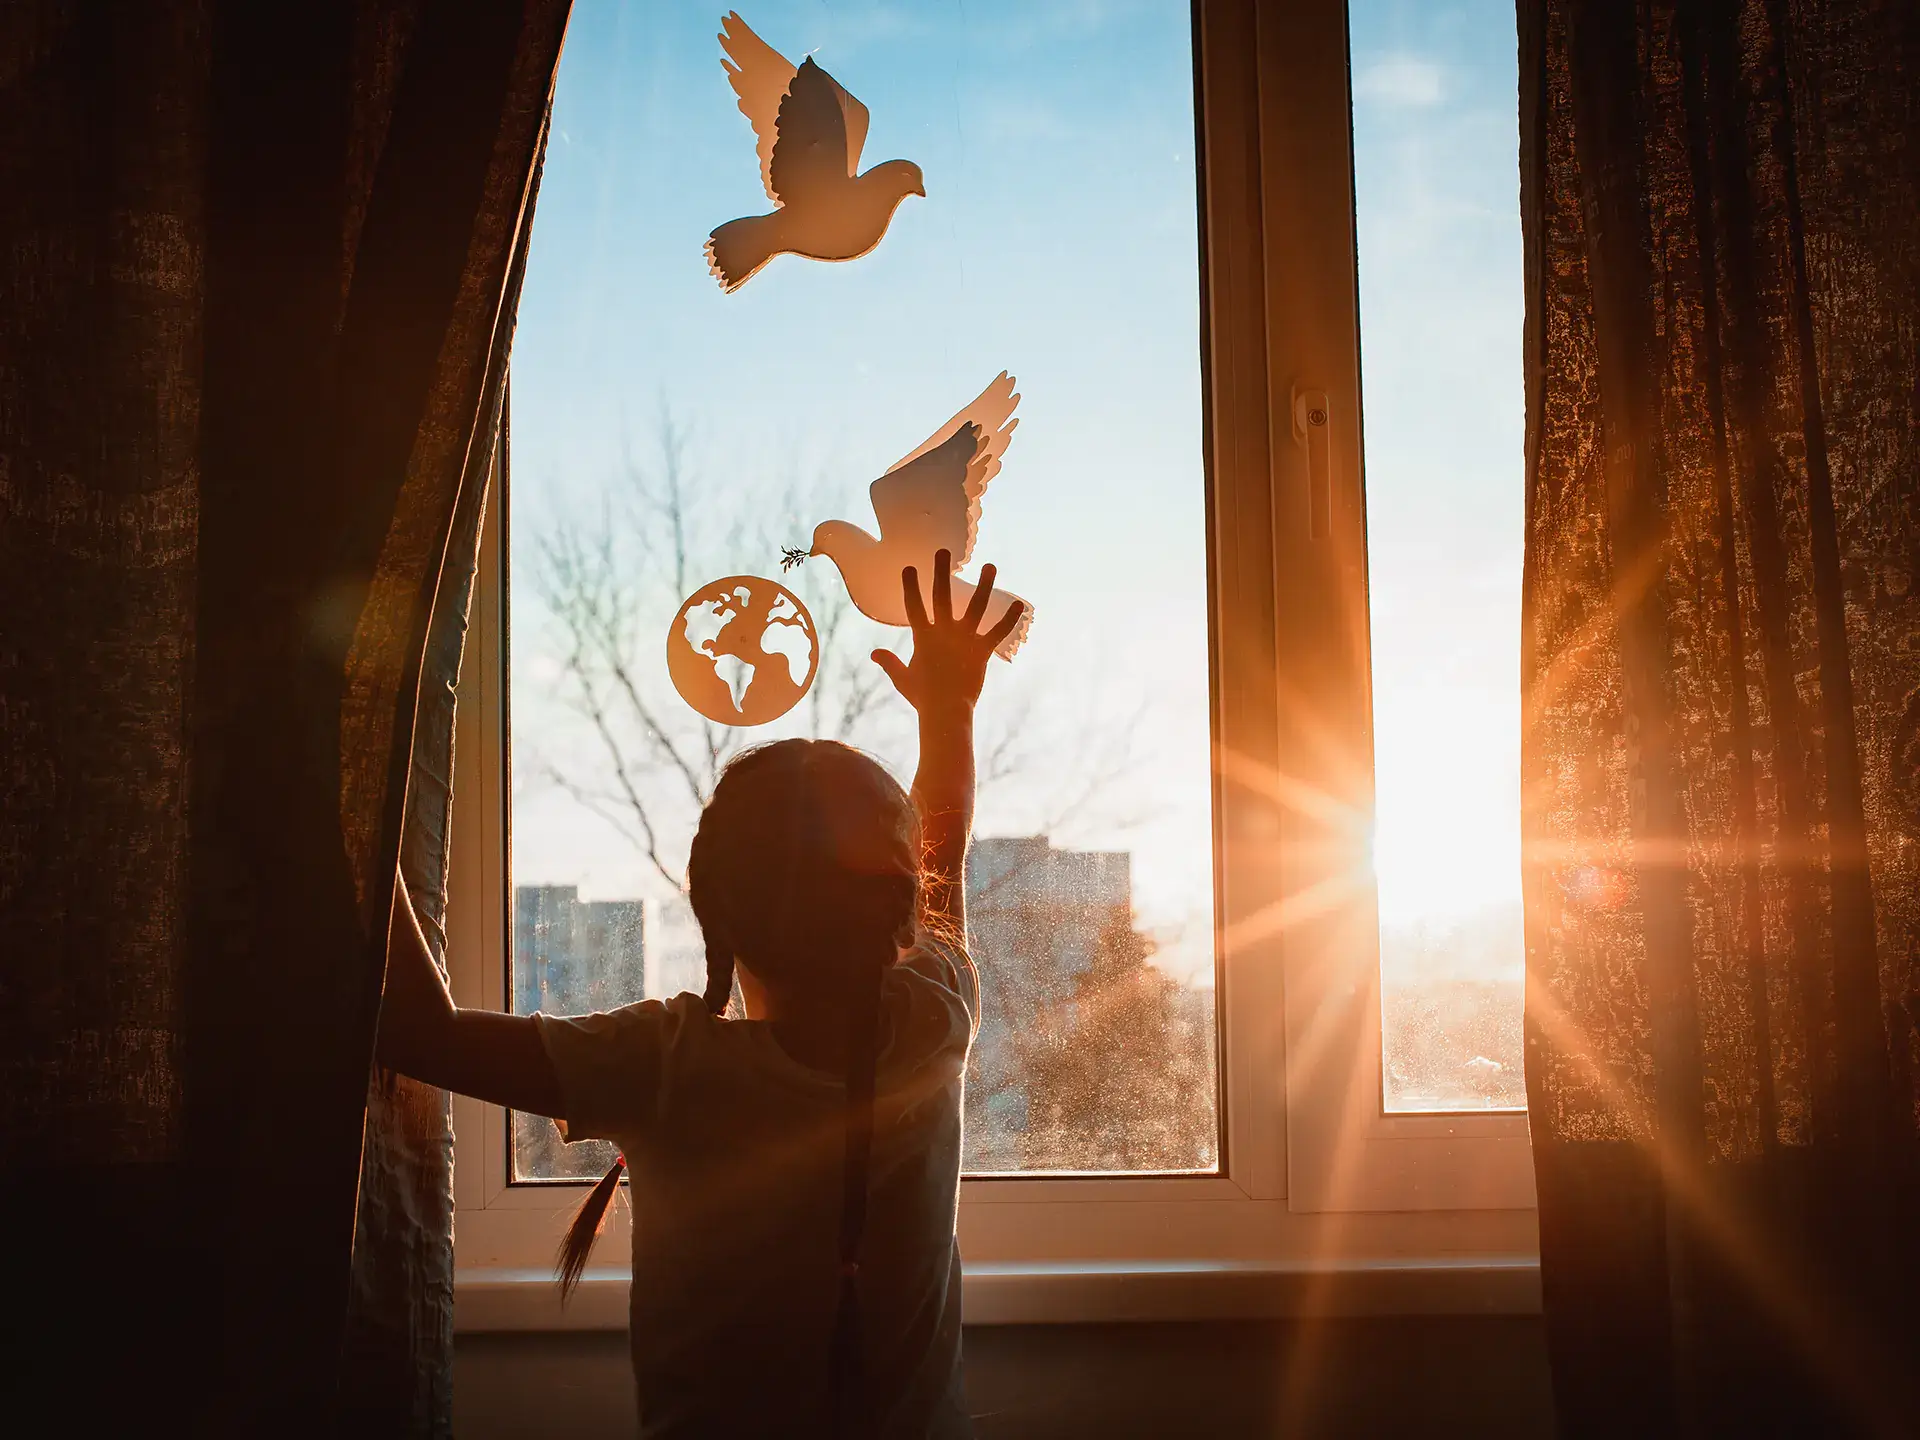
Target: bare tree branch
{"x": 621, "y": 675}
{"x": 589, "y": 703}
{"x": 612, "y": 583}
{"x": 610, "y": 808}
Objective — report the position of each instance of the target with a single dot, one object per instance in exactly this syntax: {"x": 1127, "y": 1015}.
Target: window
{"x": 1177, "y": 819}
{"x": 667, "y": 434}
{"x": 1397, "y": 601}
{"x": 1436, "y": 185}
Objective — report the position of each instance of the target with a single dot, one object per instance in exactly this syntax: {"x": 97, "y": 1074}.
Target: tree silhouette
{"x": 606, "y": 583}
{"x": 610, "y": 582}
{"x": 1120, "y": 1073}
{"x": 611, "y": 586}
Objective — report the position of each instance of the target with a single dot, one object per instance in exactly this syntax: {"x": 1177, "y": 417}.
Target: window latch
{"x": 1311, "y": 428}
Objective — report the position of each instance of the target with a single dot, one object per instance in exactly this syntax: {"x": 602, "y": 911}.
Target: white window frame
{"x": 1325, "y": 1203}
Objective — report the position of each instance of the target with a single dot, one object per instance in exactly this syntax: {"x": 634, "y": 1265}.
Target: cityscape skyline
{"x": 1052, "y": 934}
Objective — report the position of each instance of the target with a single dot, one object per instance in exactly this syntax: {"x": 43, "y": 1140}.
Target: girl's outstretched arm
{"x": 482, "y": 1053}
{"x": 942, "y": 682}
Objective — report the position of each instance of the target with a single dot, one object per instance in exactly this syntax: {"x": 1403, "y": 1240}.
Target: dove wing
{"x": 991, "y": 412}
{"x": 855, "y": 116}
{"x": 759, "y": 75}
{"x": 810, "y": 153}
{"x": 922, "y": 503}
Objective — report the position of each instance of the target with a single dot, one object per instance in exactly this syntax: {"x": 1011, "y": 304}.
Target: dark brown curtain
{"x": 260, "y": 268}
{"x": 1721, "y": 662}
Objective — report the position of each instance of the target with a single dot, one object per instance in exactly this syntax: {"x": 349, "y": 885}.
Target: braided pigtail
{"x": 704, "y": 890}
{"x": 846, "y": 1375}
{"x": 719, "y": 978}
{"x": 588, "y": 1221}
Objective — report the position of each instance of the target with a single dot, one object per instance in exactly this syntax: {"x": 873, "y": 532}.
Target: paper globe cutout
{"x": 743, "y": 650}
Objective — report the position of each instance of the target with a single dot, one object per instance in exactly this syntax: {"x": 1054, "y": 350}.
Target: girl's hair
{"x": 806, "y": 867}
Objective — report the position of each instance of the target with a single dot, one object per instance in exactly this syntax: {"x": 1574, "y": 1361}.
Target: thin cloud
{"x": 1406, "y": 81}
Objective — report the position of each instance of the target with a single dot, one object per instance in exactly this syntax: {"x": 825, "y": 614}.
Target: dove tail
{"x": 1016, "y": 637}
{"x": 738, "y": 249}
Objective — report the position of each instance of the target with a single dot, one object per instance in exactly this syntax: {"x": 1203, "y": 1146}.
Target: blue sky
{"x": 1057, "y": 240}
{"x": 1436, "y": 169}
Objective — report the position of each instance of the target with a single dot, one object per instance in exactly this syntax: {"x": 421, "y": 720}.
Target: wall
{"x": 1426, "y": 1376}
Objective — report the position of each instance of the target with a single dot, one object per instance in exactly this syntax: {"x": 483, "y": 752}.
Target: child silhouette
{"x": 795, "y": 1169}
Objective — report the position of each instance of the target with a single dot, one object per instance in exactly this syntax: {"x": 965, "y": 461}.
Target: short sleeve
{"x": 948, "y": 966}
{"x": 610, "y": 1064}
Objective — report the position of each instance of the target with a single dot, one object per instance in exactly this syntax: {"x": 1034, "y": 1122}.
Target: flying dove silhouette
{"x": 928, "y": 502}
{"x": 810, "y": 132}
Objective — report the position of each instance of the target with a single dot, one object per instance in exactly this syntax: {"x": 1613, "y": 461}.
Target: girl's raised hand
{"x": 950, "y": 652}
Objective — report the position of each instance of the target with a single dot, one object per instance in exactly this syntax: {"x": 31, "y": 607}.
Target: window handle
{"x": 1311, "y": 429}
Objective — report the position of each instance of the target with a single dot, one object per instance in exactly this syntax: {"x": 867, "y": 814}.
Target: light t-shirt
{"x": 735, "y": 1151}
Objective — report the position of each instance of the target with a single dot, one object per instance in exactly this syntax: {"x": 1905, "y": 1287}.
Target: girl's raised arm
{"x": 942, "y": 682}
{"x": 493, "y": 1057}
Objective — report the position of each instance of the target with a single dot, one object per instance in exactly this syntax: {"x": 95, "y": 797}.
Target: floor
{"x": 1484, "y": 1378}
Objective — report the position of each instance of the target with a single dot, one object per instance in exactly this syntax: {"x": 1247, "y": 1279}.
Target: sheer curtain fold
{"x": 265, "y": 260}
{"x": 1721, "y": 687}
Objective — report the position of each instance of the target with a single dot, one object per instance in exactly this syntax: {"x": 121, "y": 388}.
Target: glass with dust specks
{"x": 665, "y": 434}
{"x": 1437, "y": 210}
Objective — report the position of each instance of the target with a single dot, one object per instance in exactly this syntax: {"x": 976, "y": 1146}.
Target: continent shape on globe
{"x": 742, "y": 651}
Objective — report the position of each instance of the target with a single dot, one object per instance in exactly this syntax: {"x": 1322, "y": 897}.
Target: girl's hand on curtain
{"x": 490, "y": 1056}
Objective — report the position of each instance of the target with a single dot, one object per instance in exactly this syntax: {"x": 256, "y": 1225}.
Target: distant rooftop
{"x": 1015, "y": 869}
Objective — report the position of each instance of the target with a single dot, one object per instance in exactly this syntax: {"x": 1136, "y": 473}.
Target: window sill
{"x": 504, "y": 1298}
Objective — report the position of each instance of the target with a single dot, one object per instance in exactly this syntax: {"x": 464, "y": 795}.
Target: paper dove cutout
{"x": 810, "y": 132}
{"x": 927, "y": 502}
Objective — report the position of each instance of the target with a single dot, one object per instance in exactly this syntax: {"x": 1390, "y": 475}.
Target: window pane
{"x": 1436, "y": 145}
{"x": 666, "y": 434}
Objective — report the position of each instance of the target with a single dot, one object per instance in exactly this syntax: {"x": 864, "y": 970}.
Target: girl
{"x": 795, "y": 1171}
